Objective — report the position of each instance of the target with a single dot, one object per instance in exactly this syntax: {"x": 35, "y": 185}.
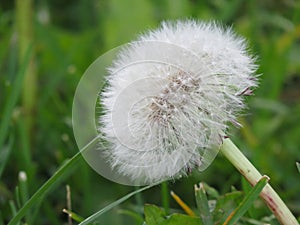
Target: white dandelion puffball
{"x": 169, "y": 98}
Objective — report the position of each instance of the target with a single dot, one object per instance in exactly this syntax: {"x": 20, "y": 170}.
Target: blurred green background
{"x": 55, "y": 41}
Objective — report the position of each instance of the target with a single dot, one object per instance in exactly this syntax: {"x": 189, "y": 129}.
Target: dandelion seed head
{"x": 170, "y": 96}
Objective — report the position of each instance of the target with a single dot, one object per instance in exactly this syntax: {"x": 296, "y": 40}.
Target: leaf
{"x": 247, "y": 201}
{"x": 13, "y": 97}
{"x": 112, "y": 205}
{"x": 4, "y": 154}
{"x": 73, "y": 215}
{"x": 202, "y": 204}
{"x": 46, "y": 187}
{"x": 211, "y": 191}
{"x": 136, "y": 216}
{"x": 226, "y": 204}
{"x": 252, "y": 212}
{"x": 298, "y": 166}
{"x": 156, "y": 216}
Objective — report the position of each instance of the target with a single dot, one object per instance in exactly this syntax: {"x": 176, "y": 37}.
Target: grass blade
{"x": 246, "y": 187}
{"x": 13, "y": 208}
{"x": 202, "y": 204}
{"x": 73, "y": 215}
{"x": 48, "y": 185}
{"x": 112, "y": 205}
{"x": 4, "y": 154}
{"x": 247, "y": 201}
{"x": 23, "y": 187}
{"x": 13, "y": 97}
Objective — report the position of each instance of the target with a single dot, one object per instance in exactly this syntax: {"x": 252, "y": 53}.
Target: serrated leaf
{"x": 226, "y": 204}
{"x": 180, "y": 219}
{"x": 156, "y": 216}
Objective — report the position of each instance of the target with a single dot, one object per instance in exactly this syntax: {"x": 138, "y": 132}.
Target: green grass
{"x": 80, "y": 31}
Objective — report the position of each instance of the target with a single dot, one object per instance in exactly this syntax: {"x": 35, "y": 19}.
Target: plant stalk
{"x": 25, "y": 31}
{"x": 25, "y": 34}
{"x": 46, "y": 187}
{"x": 245, "y": 167}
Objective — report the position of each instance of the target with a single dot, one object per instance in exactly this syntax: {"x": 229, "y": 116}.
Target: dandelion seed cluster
{"x": 170, "y": 97}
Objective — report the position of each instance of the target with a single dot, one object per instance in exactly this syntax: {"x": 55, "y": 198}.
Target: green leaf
{"x": 23, "y": 187}
{"x": 13, "y": 97}
{"x": 35, "y": 199}
{"x": 156, "y": 216}
{"x": 73, "y": 215}
{"x": 247, "y": 201}
{"x": 4, "y": 154}
{"x": 252, "y": 212}
{"x": 112, "y": 205}
{"x": 17, "y": 197}
{"x": 202, "y": 204}
{"x": 211, "y": 191}
{"x": 225, "y": 204}
{"x": 136, "y": 216}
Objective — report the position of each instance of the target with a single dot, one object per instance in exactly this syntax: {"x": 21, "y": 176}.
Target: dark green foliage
{"x": 69, "y": 35}
{"x": 226, "y": 209}
{"x": 157, "y": 216}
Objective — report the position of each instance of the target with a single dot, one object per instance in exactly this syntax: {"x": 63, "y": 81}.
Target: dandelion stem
{"x": 245, "y": 167}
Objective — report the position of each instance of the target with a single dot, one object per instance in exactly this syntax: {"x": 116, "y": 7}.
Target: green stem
{"x": 25, "y": 34}
{"x": 245, "y": 167}
{"x": 165, "y": 196}
{"x": 48, "y": 185}
{"x": 24, "y": 22}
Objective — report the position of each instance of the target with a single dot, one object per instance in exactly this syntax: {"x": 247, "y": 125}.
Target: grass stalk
{"x": 24, "y": 27}
{"x": 13, "y": 98}
{"x": 48, "y": 185}
{"x": 165, "y": 196}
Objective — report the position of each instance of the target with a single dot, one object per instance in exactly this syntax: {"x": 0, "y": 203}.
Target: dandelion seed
{"x": 170, "y": 96}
